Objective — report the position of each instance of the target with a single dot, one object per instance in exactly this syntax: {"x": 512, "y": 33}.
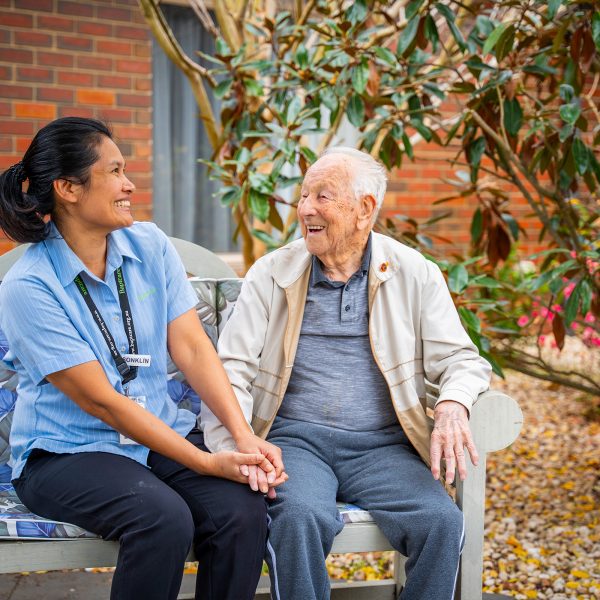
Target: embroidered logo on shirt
{"x": 147, "y": 294}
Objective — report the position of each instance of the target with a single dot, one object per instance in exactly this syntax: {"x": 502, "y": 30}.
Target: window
{"x": 183, "y": 203}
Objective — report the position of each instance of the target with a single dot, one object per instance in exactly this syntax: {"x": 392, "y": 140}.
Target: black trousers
{"x": 156, "y": 514}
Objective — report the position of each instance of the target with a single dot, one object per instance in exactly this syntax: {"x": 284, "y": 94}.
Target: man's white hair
{"x": 369, "y": 178}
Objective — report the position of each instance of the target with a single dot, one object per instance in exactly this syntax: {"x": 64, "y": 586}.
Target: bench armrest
{"x": 496, "y": 420}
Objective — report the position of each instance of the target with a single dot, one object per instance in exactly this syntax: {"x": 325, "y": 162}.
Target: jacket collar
{"x": 68, "y": 265}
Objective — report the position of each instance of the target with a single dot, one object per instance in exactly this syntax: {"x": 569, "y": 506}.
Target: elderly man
{"x": 327, "y": 350}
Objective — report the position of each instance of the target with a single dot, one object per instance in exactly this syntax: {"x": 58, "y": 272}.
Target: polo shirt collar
{"x": 68, "y": 265}
{"x": 317, "y": 275}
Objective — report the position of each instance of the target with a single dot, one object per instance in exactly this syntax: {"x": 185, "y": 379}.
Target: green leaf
{"x": 513, "y": 116}
{"x": 221, "y": 47}
{"x": 470, "y": 319}
{"x": 565, "y": 132}
{"x": 412, "y": 8}
{"x": 493, "y": 38}
{"x": 512, "y": 225}
{"x": 580, "y": 155}
{"x": 596, "y": 29}
{"x": 422, "y": 129}
{"x": 572, "y": 305}
{"x": 488, "y": 282}
{"x": 357, "y": 12}
{"x": 566, "y": 92}
{"x": 431, "y": 32}
{"x": 586, "y": 296}
{"x": 458, "y": 277}
{"x": 294, "y": 108}
{"x": 360, "y": 77}
{"x": 476, "y": 226}
{"x": 386, "y": 55}
{"x": 260, "y": 182}
{"x": 308, "y": 154}
{"x": 407, "y": 146}
{"x": 445, "y": 11}
{"x": 329, "y": 98}
{"x": 253, "y": 87}
{"x": 223, "y": 88}
{"x": 551, "y": 274}
{"x": 259, "y": 205}
{"x": 505, "y": 44}
{"x": 265, "y": 238}
{"x": 356, "y": 110}
{"x": 552, "y": 8}
{"x": 408, "y": 35}
{"x": 254, "y": 30}
{"x": 569, "y": 113}
{"x": 302, "y": 57}
{"x": 231, "y": 196}
{"x": 476, "y": 150}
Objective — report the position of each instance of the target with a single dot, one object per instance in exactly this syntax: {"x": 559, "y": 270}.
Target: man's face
{"x": 328, "y": 211}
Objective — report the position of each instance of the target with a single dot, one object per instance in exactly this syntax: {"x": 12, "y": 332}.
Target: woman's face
{"x": 105, "y": 204}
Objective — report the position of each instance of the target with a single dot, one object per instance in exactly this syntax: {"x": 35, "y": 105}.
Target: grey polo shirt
{"x": 335, "y": 380}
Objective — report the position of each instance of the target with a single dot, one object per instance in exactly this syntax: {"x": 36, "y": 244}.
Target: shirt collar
{"x": 317, "y": 275}
{"x": 68, "y": 265}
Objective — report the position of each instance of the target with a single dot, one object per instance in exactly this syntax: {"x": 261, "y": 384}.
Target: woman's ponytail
{"x": 63, "y": 149}
{"x": 21, "y": 216}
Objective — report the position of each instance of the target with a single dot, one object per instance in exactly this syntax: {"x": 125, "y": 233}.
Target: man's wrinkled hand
{"x": 451, "y": 433}
{"x": 270, "y": 473}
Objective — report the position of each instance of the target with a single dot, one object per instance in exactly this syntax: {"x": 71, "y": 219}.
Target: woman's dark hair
{"x": 63, "y": 149}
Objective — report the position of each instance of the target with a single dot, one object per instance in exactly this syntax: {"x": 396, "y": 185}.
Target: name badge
{"x": 138, "y": 360}
{"x": 140, "y": 401}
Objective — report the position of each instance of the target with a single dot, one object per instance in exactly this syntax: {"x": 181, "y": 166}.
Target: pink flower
{"x": 522, "y": 321}
{"x": 541, "y": 340}
{"x": 568, "y": 289}
{"x": 589, "y": 318}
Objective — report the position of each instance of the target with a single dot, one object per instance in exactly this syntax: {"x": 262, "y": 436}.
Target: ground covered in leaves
{"x": 543, "y": 502}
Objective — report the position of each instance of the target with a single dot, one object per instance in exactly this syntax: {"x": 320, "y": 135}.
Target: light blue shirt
{"x": 50, "y": 328}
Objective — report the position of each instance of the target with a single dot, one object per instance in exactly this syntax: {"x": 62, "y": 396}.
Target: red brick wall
{"x": 92, "y": 58}
{"x": 88, "y": 58}
{"x": 413, "y": 189}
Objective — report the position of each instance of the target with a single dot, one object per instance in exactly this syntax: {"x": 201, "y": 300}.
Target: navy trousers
{"x": 156, "y": 514}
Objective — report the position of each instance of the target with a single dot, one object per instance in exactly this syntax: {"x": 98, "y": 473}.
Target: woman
{"x": 89, "y": 312}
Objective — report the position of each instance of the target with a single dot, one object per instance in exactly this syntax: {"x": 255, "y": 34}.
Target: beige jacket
{"x": 414, "y": 329}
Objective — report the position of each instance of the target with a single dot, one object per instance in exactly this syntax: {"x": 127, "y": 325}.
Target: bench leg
{"x": 399, "y": 571}
{"x": 470, "y": 497}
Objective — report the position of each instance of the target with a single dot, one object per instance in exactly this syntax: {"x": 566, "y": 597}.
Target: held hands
{"x": 227, "y": 464}
{"x": 268, "y": 474}
{"x": 451, "y": 433}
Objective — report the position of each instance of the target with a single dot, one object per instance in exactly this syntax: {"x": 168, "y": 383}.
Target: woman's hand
{"x": 227, "y": 464}
{"x": 266, "y": 476}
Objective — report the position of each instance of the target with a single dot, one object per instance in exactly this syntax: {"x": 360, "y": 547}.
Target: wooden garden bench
{"x": 496, "y": 421}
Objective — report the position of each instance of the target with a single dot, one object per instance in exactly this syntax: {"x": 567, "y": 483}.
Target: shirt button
{"x": 116, "y": 319}
{"x": 122, "y": 348}
{"x": 347, "y": 307}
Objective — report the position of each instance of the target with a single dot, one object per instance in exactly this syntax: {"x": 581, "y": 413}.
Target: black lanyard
{"x": 127, "y": 373}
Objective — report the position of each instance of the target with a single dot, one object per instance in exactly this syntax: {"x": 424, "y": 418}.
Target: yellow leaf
{"x": 580, "y": 574}
{"x": 530, "y": 593}
{"x": 572, "y": 585}
{"x": 513, "y": 541}
{"x": 569, "y": 485}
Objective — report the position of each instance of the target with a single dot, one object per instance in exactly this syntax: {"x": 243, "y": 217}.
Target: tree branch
{"x": 193, "y": 71}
